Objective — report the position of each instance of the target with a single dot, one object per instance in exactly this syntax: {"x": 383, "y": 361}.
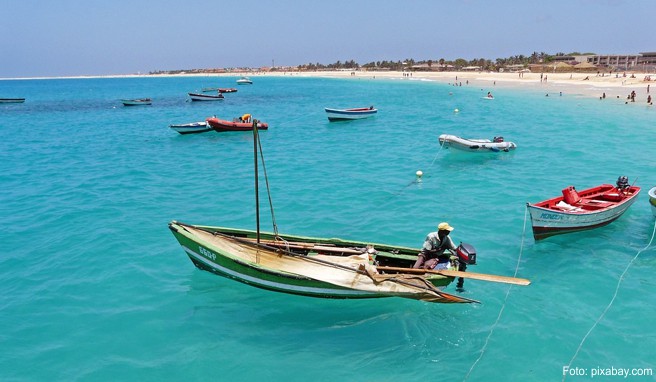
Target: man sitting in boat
{"x": 432, "y": 252}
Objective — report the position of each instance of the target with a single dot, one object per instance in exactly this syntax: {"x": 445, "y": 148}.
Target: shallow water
{"x": 94, "y": 286}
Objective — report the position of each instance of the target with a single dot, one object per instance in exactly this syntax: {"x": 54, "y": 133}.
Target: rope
{"x": 612, "y": 300}
{"x": 503, "y": 306}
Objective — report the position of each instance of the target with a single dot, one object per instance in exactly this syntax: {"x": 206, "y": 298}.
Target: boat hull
{"x": 475, "y": 145}
{"x": 349, "y": 114}
{"x": 652, "y": 200}
{"x": 12, "y": 100}
{"x": 191, "y": 128}
{"x": 137, "y": 102}
{"x": 205, "y": 97}
{"x": 267, "y": 269}
{"x": 221, "y": 125}
{"x": 548, "y": 219}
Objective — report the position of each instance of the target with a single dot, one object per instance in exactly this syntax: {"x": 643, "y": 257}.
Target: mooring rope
{"x": 503, "y": 306}
{"x": 612, "y": 300}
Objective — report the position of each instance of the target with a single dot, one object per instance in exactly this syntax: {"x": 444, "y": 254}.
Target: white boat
{"x": 652, "y": 200}
{"x": 244, "y": 81}
{"x": 205, "y": 97}
{"x": 191, "y": 128}
{"x": 348, "y": 114}
{"x": 476, "y": 145}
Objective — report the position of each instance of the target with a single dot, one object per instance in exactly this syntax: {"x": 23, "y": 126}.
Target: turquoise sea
{"x": 94, "y": 287}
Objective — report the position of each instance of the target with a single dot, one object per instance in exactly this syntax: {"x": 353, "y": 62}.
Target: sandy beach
{"x": 616, "y": 86}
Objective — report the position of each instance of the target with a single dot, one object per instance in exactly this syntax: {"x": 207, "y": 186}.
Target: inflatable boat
{"x": 476, "y": 145}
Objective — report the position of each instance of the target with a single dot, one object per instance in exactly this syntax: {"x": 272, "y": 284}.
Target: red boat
{"x": 243, "y": 123}
{"x": 227, "y": 90}
{"x": 582, "y": 210}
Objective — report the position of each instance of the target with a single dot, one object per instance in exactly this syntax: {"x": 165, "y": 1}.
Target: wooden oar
{"x": 468, "y": 275}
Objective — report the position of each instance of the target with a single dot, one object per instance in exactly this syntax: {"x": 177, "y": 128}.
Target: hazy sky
{"x": 90, "y": 37}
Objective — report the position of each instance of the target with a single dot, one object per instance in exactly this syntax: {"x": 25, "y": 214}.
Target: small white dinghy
{"x": 652, "y": 200}
{"x": 476, "y": 145}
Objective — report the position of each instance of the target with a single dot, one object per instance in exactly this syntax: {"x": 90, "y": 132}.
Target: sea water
{"x": 94, "y": 287}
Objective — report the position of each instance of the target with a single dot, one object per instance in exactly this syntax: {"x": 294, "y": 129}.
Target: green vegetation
{"x": 441, "y": 64}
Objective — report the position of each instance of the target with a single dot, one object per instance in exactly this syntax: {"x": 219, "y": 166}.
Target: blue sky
{"x": 90, "y": 37}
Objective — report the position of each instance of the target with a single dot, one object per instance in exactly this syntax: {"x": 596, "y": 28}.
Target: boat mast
{"x": 257, "y": 193}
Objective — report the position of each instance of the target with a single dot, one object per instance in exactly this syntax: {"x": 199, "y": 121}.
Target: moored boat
{"x": 244, "y": 81}
{"x": 476, "y": 145}
{"x": 581, "y": 210}
{"x": 205, "y": 97}
{"x": 191, "y": 128}
{"x": 315, "y": 267}
{"x": 209, "y": 90}
{"x": 137, "y": 102}
{"x": 243, "y": 123}
{"x": 12, "y": 100}
{"x": 349, "y": 114}
{"x": 652, "y": 200}
{"x": 227, "y": 90}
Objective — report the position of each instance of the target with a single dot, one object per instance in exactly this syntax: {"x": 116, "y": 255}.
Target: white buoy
{"x": 419, "y": 173}
{"x": 456, "y": 110}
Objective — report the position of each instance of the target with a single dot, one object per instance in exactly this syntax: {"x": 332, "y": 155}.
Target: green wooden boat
{"x": 316, "y": 267}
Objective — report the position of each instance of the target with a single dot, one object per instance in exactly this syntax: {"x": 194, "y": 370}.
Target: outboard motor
{"x": 622, "y": 183}
{"x": 466, "y": 253}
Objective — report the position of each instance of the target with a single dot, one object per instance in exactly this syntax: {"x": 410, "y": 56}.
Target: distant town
{"x": 536, "y": 62}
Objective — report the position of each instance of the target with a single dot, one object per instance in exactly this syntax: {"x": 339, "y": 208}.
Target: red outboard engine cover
{"x": 466, "y": 253}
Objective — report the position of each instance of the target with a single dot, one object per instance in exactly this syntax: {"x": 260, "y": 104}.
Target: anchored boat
{"x": 652, "y": 200}
{"x": 12, "y": 100}
{"x": 349, "y": 114}
{"x": 137, "y": 102}
{"x": 191, "y": 128}
{"x": 242, "y": 123}
{"x": 476, "y": 145}
{"x": 206, "y": 97}
{"x": 582, "y": 210}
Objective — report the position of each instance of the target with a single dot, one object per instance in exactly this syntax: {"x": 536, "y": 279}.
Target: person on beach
{"x": 649, "y": 100}
{"x": 432, "y": 252}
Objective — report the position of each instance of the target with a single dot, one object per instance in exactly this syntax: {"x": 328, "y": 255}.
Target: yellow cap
{"x": 444, "y": 226}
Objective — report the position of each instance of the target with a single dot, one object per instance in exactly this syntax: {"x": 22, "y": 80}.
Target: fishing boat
{"x": 652, "y": 200}
{"x": 349, "y": 114}
{"x": 582, "y": 210}
{"x": 244, "y": 81}
{"x": 12, "y": 100}
{"x": 191, "y": 128}
{"x": 205, "y": 97}
{"x": 137, "y": 102}
{"x": 227, "y": 90}
{"x": 497, "y": 144}
{"x": 243, "y": 123}
{"x": 319, "y": 267}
